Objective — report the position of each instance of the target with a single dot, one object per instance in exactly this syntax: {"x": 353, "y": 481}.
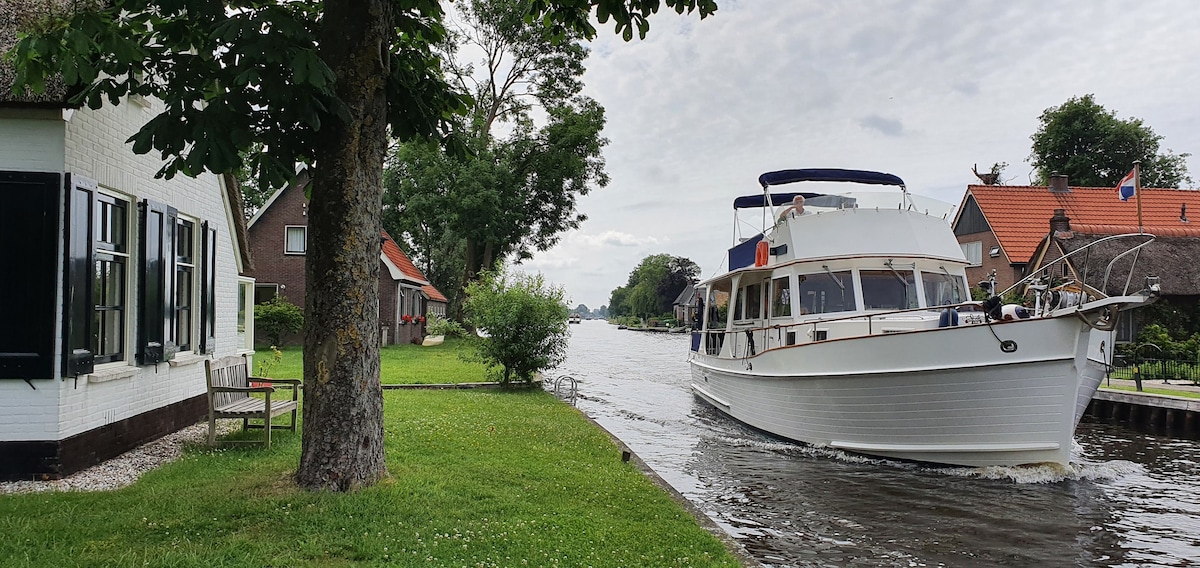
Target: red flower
{"x": 406, "y": 318}
{"x": 421, "y": 319}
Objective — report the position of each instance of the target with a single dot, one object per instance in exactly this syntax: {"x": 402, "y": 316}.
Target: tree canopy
{"x": 1093, "y": 148}
{"x": 319, "y": 83}
{"x": 506, "y": 195}
{"x": 653, "y": 286}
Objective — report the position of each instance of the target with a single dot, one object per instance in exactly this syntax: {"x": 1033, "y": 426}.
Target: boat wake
{"x": 1079, "y": 469}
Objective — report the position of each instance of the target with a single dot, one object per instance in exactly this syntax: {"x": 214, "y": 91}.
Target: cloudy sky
{"x": 920, "y": 88}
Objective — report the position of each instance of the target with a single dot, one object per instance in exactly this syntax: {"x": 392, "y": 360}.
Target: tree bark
{"x": 343, "y": 401}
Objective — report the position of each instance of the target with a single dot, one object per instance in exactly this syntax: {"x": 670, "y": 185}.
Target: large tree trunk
{"x": 343, "y": 401}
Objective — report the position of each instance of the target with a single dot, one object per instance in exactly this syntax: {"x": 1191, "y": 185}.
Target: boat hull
{"x": 947, "y": 396}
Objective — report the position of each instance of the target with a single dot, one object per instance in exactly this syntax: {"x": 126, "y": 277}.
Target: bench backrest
{"x": 227, "y": 372}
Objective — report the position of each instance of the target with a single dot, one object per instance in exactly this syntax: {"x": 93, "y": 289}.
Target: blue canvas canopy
{"x": 828, "y": 174}
{"x": 812, "y": 199}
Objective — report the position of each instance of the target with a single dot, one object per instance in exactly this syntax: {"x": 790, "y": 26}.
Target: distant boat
{"x": 574, "y": 318}
{"x": 431, "y": 340}
{"x": 851, "y": 327}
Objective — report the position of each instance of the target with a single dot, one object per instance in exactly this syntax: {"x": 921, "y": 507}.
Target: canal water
{"x": 1128, "y": 499}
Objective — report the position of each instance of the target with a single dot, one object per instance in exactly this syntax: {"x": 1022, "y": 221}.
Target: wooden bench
{"x": 229, "y": 396}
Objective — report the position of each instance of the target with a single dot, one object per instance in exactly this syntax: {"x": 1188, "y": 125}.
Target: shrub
{"x": 525, "y": 319}
{"x": 277, "y": 317}
{"x": 438, "y": 325}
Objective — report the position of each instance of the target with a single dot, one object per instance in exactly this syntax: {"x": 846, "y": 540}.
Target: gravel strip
{"x": 126, "y": 468}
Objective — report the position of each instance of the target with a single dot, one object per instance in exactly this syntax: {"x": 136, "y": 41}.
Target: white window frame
{"x": 245, "y": 331}
{"x": 287, "y": 229}
{"x": 974, "y": 252}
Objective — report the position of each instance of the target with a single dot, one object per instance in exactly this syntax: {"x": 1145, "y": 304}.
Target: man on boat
{"x": 794, "y": 210}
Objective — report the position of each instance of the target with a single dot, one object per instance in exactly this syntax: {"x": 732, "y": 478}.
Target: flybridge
{"x": 783, "y": 177}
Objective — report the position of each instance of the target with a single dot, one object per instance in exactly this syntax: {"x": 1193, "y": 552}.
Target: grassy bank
{"x": 399, "y": 364}
{"x": 477, "y": 478}
{"x": 1151, "y": 390}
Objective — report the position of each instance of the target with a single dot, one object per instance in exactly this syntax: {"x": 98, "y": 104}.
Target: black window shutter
{"x": 156, "y": 282}
{"x": 79, "y": 305}
{"x": 29, "y": 255}
{"x": 208, "y": 287}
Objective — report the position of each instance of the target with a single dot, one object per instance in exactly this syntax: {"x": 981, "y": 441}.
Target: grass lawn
{"x": 1151, "y": 390}
{"x": 477, "y": 478}
{"x": 399, "y": 364}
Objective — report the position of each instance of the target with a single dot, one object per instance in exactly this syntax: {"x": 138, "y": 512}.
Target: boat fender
{"x": 1014, "y": 312}
{"x": 949, "y": 318}
{"x": 991, "y": 307}
{"x": 761, "y": 251}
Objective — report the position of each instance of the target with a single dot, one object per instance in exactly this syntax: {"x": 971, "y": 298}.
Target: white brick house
{"x": 114, "y": 286}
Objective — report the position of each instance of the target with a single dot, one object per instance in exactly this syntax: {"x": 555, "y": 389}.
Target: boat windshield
{"x": 942, "y": 289}
{"x": 888, "y": 289}
{"x": 825, "y": 292}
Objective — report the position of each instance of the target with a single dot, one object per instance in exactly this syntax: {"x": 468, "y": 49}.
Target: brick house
{"x": 117, "y": 287}
{"x": 1000, "y": 226}
{"x": 278, "y": 235}
{"x": 1016, "y": 230}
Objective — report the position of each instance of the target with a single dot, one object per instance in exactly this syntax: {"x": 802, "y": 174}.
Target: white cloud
{"x": 922, "y": 89}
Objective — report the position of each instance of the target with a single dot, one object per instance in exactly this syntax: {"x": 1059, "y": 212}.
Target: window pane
{"x": 295, "y": 240}
{"x": 110, "y": 282}
{"x": 110, "y": 341}
{"x": 265, "y": 293}
{"x": 781, "y": 298}
{"x": 183, "y": 307}
{"x": 110, "y": 224}
{"x": 973, "y": 252}
{"x": 753, "y": 304}
{"x": 943, "y": 289}
{"x": 823, "y": 292}
{"x": 183, "y": 241}
{"x": 887, "y": 290}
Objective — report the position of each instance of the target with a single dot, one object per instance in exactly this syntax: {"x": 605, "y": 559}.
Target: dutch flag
{"x": 1128, "y": 185}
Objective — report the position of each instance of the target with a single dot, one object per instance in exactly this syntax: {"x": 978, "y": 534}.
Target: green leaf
{"x": 300, "y": 68}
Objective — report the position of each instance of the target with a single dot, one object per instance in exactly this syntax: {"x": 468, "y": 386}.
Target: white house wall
{"x": 93, "y": 146}
{"x": 32, "y": 144}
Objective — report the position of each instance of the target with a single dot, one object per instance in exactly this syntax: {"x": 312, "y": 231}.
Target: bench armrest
{"x": 241, "y": 389}
{"x": 296, "y": 382}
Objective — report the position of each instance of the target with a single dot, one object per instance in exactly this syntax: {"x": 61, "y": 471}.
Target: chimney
{"x": 1058, "y": 183}
{"x": 1060, "y": 224}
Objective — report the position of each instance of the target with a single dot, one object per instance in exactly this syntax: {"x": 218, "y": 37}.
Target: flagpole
{"x": 1137, "y": 191}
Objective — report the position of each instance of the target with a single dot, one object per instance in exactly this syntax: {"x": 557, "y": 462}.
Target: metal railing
{"x": 1165, "y": 370}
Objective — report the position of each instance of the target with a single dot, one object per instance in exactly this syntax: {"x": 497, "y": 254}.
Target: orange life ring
{"x": 761, "y": 251}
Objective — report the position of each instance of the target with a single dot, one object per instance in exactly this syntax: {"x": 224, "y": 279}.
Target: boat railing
{"x": 1085, "y": 251}
{"x": 872, "y": 320}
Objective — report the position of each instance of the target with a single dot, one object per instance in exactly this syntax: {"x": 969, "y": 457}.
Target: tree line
{"x": 652, "y": 287}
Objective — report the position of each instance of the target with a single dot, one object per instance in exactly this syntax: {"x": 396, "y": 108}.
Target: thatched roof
{"x": 1172, "y": 259}
{"x": 16, "y": 15}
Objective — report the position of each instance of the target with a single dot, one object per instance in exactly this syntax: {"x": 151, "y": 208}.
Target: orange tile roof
{"x": 401, "y": 260}
{"x": 433, "y": 293}
{"x": 1020, "y": 215}
{"x": 406, "y": 266}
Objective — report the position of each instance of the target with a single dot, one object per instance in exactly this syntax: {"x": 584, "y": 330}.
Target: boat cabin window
{"x": 942, "y": 289}
{"x": 888, "y": 289}
{"x": 825, "y": 292}
{"x": 749, "y": 302}
{"x": 717, "y": 305}
{"x": 781, "y": 297}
